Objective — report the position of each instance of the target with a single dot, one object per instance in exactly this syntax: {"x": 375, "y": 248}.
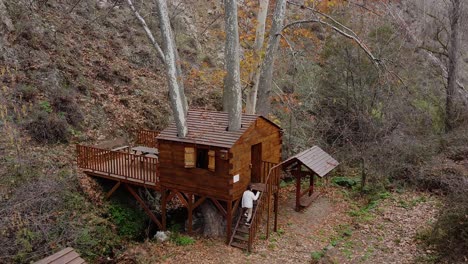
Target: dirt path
{"x": 301, "y": 234}
{"x": 390, "y": 234}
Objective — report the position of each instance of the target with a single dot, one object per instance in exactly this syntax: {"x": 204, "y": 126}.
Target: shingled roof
{"x": 315, "y": 159}
{"x": 209, "y": 128}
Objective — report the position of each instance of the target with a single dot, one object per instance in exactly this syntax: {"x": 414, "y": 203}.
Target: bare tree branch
{"x": 148, "y": 32}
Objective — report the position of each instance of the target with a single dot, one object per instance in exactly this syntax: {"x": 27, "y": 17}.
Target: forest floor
{"x": 336, "y": 228}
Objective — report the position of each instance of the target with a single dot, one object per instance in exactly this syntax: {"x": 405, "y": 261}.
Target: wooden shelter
{"x": 210, "y": 163}
{"x": 65, "y": 256}
{"x": 311, "y": 162}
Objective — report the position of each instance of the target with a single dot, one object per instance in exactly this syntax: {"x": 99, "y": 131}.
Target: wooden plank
{"x": 219, "y": 206}
{"x": 70, "y": 256}
{"x": 55, "y": 256}
{"x": 116, "y": 186}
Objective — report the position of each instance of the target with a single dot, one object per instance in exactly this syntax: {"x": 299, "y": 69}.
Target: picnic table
{"x": 146, "y": 151}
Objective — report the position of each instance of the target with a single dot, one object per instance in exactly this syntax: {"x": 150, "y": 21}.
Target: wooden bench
{"x": 64, "y": 256}
{"x": 306, "y": 200}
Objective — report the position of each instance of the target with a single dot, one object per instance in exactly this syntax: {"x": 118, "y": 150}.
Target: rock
{"x": 162, "y": 236}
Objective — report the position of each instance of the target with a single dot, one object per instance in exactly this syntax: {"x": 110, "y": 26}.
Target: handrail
{"x": 235, "y": 228}
{"x": 147, "y": 138}
{"x": 264, "y": 198}
{"x": 118, "y": 164}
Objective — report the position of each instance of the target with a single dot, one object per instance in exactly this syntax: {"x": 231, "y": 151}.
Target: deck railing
{"x": 147, "y": 138}
{"x": 118, "y": 164}
{"x": 263, "y": 204}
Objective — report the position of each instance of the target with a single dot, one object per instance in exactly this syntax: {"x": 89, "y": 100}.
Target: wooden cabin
{"x": 216, "y": 162}
{"x": 210, "y": 163}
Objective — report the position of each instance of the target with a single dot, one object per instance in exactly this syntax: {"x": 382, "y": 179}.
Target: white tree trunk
{"x": 232, "y": 88}
{"x": 170, "y": 58}
{"x": 266, "y": 72}
{"x": 251, "y": 100}
{"x": 454, "y": 16}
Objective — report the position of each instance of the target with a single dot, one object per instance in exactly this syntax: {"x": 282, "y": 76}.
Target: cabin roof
{"x": 315, "y": 159}
{"x": 209, "y": 128}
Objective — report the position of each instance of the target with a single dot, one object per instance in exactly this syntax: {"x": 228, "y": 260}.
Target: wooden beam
{"x": 145, "y": 207}
{"x": 298, "y": 192}
{"x": 116, "y": 186}
{"x": 236, "y": 205}
{"x": 182, "y": 199}
{"x": 228, "y": 221}
{"x": 200, "y": 201}
{"x": 275, "y": 228}
{"x": 190, "y": 212}
{"x": 219, "y": 206}
{"x": 171, "y": 195}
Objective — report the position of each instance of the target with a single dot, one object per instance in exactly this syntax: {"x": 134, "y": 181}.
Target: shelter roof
{"x": 210, "y": 128}
{"x": 315, "y": 159}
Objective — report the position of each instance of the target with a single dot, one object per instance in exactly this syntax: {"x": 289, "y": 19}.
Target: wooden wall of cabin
{"x": 174, "y": 175}
{"x": 263, "y": 132}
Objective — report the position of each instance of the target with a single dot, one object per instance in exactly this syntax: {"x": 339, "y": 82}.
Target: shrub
{"x": 450, "y": 233}
{"x": 64, "y": 102}
{"x": 26, "y": 92}
{"x": 47, "y": 127}
{"x": 181, "y": 240}
{"x": 130, "y": 221}
{"x": 344, "y": 181}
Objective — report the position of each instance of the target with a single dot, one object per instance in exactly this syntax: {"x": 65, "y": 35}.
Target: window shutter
{"x": 189, "y": 157}
{"x": 211, "y": 160}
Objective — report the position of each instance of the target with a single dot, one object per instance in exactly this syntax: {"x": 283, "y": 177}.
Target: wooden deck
{"x": 119, "y": 165}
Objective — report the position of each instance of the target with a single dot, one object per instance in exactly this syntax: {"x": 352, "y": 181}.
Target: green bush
{"x": 129, "y": 221}
{"x": 344, "y": 181}
{"x": 181, "y": 240}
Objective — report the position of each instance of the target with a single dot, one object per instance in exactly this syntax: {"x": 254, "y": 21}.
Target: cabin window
{"x": 200, "y": 158}
{"x": 189, "y": 157}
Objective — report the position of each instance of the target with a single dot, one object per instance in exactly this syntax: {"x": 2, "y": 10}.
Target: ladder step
{"x": 243, "y": 229}
{"x": 241, "y": 237}
{"x": 239, "y": 245}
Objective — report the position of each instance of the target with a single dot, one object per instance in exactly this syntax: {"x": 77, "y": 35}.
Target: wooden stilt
{"x": 298, "y": 190}
{"x": 228, "y": 221}
{"x": 163, "y": 208}
{"x": 145, "y": 207}
{"x": 190, "y": 211}
{"x": 116, "y": 186}
{"x": 268, "y": 209}
{"x": 275, "y": 228}
{"x": 311, "y": 190}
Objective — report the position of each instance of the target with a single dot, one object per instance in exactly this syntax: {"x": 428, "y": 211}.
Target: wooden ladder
{"x": 240, "y": 237}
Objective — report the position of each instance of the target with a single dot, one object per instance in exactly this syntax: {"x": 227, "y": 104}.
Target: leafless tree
{"x": 266, "y": 71}
{"x": 251, "y": 100}
{"x": 454, "y": 17}
{"x": 232, "y": 89}
{"x": 168, "y": 54}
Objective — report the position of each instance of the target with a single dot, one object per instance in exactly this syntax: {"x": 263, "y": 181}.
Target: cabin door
{"x": 256, "y": 160}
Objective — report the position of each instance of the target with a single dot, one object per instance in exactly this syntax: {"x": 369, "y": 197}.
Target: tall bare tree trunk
{"x": 170, "y": 58}
{"x": 450, "y": 113}
{"x": 266, "y": 73}
{"x": 232, "y": 88}
{"x": 251, "y": 100}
